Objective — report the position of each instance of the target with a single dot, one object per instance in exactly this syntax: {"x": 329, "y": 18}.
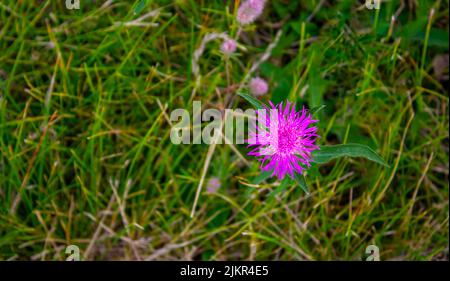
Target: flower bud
{"x": 258, "y": 86}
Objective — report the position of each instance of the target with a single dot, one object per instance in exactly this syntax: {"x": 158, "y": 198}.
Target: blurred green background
{"x": 85, "y": 151}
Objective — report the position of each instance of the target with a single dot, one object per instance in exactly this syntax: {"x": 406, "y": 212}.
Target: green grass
{"x": 87, "y": 159}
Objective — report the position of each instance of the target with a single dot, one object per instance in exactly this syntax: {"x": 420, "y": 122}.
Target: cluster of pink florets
{"x": 228, "y": 46}
{"x": 258, "y": 86}
{"x": 249, "y": 11}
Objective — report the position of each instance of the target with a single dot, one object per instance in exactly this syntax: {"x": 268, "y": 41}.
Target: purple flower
{"x": 228, "y": 47}
{"x": 213, "y": 185}
{"x": 258, "y": 86}
{"x": 249, "y": 11}
{"x": 284, "y": 139}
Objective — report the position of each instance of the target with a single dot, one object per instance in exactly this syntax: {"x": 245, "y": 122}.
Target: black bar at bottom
{"x": 183, "y": 270}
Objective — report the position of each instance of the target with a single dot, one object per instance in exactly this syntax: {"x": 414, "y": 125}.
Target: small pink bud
{"x": 213, "y": 185}
{"x": 249, "y": 11}
{"x": 228, "y": 46}
{"x": 258, "y": 86}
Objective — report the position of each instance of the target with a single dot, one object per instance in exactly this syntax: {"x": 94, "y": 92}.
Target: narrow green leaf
{"x": 140, "y": 6}
{"x": 262, "y": 177}
{"x": 251, "y": 99}
{"x": 316, "y": 109}
{"x": 329, "y": 152}
{"x": 301, "y": 181}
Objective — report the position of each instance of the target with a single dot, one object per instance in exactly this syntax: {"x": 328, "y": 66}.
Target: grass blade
{"x": 252, "y": 100}
{"x": 316, "y": 109}
{"x": 301, "y": 181}
{"x": 262, "y": 177}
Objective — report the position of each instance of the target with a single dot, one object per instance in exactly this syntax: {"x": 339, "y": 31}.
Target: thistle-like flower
{"x": 284, "y": 139}
{"x": 228, "y": 46}
{"x": 249, "y": 11}
{"x": 258, "y": 86}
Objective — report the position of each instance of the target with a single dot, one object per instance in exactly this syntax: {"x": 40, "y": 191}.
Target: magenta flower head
{"x": 258, "y": 86}
{"x": 249, "y": 11}
{"x": 228, "y": 47}
{"x": 283, "y": 139}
